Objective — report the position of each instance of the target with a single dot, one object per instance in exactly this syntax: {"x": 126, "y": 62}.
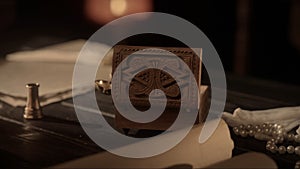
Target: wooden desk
{"x": 58, "y": 137}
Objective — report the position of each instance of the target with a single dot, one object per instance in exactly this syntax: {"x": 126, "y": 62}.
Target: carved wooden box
{"x": 148, "y": 79}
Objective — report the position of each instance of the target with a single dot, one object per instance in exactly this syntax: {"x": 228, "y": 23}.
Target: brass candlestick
{"x": 33, "y": 109}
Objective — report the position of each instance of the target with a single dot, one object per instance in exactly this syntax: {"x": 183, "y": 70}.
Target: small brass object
{"x": 103, "y": 85}
{"x": 33, "y": 108}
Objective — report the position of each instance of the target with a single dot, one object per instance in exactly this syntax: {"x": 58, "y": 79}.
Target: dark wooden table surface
{"x": 58, "y": 137}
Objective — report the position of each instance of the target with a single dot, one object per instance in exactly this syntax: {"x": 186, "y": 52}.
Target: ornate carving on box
{"x": 146, "y": 80}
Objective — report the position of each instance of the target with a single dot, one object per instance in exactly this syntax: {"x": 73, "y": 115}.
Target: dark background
{"x": 252, "y": 37}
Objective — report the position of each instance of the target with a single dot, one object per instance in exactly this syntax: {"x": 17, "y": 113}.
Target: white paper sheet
{"x": 189, "y": 151}
{"x": 51, "y": 67}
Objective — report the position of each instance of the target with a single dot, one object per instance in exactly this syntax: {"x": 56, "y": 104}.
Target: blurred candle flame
{"x": 104, "y": 11}
{"x": 118, "y": 7}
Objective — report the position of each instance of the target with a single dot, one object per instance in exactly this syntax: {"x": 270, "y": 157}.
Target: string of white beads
{"x": 272, "y": 133}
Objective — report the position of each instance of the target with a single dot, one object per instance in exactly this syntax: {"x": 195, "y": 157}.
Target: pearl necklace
{"x": 274, "y": 134}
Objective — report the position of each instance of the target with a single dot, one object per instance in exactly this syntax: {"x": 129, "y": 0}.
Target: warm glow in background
{"x": 104, "y": 11}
